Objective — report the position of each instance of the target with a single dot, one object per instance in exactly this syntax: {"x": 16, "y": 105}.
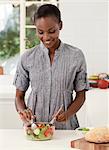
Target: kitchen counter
{"x": 14, "y": 139}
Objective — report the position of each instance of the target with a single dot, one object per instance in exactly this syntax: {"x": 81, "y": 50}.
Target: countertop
{"x": 14, "y": 139}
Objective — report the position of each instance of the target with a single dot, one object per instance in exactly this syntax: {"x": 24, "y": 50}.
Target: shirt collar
{"x": 57, "y": 50}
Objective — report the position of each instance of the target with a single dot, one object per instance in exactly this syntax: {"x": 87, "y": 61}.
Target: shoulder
{"x": 73, "y": 51}
{"x": 30, "y": 52}
{"x": 28, "y": 57}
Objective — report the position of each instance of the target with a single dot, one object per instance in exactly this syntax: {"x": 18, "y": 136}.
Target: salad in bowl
{"x": 39, "y": 131}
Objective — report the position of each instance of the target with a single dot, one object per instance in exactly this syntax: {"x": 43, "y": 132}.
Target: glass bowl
{"x": 39, "y": 131}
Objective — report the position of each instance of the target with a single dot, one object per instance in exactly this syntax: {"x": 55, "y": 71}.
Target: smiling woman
{"x": 54, "y": 71}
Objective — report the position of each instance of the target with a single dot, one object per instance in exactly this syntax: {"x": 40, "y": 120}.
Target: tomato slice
{"x": 48, "y": 132}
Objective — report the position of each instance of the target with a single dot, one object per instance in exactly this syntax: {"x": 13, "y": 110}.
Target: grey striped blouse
{"x": 52, "y": 85}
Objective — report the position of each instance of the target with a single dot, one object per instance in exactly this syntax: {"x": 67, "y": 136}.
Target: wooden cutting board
{"x": 82, "y": 144}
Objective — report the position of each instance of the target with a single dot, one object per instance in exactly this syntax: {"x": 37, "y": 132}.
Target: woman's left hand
{"x": 62, "y": 116}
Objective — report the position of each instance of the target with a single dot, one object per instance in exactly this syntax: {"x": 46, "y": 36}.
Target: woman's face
{"x": 48, "y": 30}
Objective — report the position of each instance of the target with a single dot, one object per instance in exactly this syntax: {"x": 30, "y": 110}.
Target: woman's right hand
{"x": 26, "y": 115}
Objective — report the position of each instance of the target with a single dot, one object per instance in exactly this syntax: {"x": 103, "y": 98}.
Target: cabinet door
{"x": 9, "y": 118}
{"x": 97, "y": 107}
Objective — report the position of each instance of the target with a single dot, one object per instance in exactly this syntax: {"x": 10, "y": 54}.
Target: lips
{"x": 47, "y": 42}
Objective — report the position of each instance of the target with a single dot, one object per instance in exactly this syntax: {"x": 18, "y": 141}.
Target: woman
{"x": 54, "y": 70}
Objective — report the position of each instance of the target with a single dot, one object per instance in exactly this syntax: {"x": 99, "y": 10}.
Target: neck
{"x": 52, "y": 50}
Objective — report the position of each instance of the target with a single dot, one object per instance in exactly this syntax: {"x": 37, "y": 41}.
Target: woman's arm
{"x": 19, "y": 101}
{"x": 24, "y": 112}
{"x": 74, "y": 107}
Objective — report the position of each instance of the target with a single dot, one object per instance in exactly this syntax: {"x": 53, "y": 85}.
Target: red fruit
{"x": 103, "y": 84}
{"x": 48, "y": 132}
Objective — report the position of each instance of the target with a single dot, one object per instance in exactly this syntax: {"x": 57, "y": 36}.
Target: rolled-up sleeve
{"x": 81, "y": 81}
{"x": 21, "y": 79}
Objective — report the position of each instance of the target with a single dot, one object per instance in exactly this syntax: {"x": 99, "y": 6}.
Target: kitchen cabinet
{"x": 97, "y": 107}
{"x": 93, "y": 113}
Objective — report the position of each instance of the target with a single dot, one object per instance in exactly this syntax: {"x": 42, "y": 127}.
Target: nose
{"x": 46, "y": 37}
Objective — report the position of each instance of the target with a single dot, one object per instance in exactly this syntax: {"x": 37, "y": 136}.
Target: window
{"x": 9, "y": 35}
{"x": 17, "y": 32}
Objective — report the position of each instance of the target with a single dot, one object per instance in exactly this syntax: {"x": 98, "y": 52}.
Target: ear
{"x": 60, "y": 25}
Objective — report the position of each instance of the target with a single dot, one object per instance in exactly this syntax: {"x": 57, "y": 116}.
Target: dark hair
{"x": 47, "y": 10}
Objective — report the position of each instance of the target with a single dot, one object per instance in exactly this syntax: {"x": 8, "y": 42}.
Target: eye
{"x": 40, "y": 32}
{"x": 52, "y": 31}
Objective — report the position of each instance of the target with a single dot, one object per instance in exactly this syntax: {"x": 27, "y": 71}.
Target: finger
{"x": 22, "y": 117}
{"x": 62, "y": 117}
{"x": 30, "y": 114}
{"x": 61, "y": 120}
{"x": 34, "y": 117}
{"x": 58, "y": 114}
{"x": 61, "y": 114}
{"x": 61, "y": 111}
{"x": 25, "y": 115}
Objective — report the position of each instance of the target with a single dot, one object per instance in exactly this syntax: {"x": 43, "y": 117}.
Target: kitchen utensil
{"x": 55, "y": 115}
